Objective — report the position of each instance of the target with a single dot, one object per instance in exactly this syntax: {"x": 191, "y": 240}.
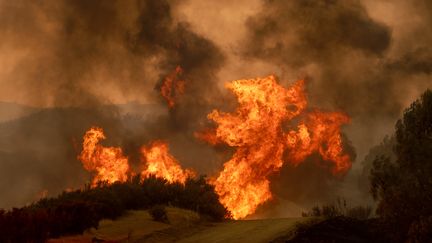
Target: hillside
{"x": 11, "y": 111}
{"x": 184, "y": 226}
{"x": 38, "y": 151}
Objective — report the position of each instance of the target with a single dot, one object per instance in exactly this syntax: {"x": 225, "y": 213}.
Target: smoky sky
{"x": 69, "y": 53}
{"x": 370, "y": 59}
{"x": 81, "y": 56}
{"x": 359, "y": 66}
{"x": 367, "y": 58}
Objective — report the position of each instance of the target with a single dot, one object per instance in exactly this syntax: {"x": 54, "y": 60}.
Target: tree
{"x": 403, "y": 187}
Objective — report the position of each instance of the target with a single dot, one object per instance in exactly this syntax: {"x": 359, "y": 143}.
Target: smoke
{"x": 367, "y": 58}
{"x": 325, "y": 39}
{"x": 81, "y": 52}
{"x": 369, "y": 68}
{"x": 84, "y": 56}
{"x": 354, "y": 61}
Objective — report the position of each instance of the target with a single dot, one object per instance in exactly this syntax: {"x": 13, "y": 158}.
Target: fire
{"x": 320, "y": 132}
{"x": 255, "y": 129}
{"x": 108, "y": 163}
{"x": 208, "y": 135}
{"x": 172, "y": 87}
{"x": 160, "y": 163}
{"x": 262, "y": 130}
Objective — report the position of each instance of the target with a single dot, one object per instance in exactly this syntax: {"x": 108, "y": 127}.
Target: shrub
{"x": 339, "y": 208}
{"x": 75, "y": 211}
{"x": 359, "y": 212}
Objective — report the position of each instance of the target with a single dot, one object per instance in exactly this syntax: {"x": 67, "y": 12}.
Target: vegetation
{"x": 400, "y": 172}
{"x": 74, "y": 212}
{"x": 403, "y": 187}
{"x": 339, "y": 208}
{"x": 338, "y": 229}
{"x": 384, "y": 149}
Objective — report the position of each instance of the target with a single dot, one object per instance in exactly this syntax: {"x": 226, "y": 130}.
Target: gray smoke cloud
{"x": 352, "y": 62}
{"x": 83, "y": 57}
{"x": 369, "y": 68}
{"x": 327, "y": 34}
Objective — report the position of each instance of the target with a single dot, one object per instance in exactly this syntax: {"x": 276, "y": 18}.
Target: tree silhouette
{"x": 403, "y": 187}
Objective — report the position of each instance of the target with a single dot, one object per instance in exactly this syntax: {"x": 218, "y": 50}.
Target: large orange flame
{"x": 108, "y": 163}
{"x": 172, "y": 87}
{"x": 160, "y": 163}
{"x": 255, "y": 129}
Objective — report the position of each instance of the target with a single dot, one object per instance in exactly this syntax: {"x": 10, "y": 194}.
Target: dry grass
{"x": 263, "y": 230}
{"x": 185, "y": 226}
{"x": 132, "y": 226}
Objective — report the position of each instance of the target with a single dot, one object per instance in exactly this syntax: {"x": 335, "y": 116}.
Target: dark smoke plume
{"x": 297, "y": 34}
{"x": 351, "y": 61}
{"x": 345, "y": 53}
{"x": 83, "y": 56}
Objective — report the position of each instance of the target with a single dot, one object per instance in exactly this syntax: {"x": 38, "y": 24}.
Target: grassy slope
{"x": 184, "y": 227}
{"x": 244, "y": 231}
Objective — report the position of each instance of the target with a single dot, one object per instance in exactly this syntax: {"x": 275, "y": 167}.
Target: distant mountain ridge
{"x": 11, "y": 111}
{"x": 39, "y": 146}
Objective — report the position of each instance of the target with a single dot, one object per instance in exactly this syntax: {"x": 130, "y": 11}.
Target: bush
{"x": 359, "y": 212}
{"x": 74, "y": 212}
{"x": 339, "y": 208}
{"x": 159, "y": 213}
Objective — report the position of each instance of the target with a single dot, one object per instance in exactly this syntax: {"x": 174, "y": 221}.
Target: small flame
{"x": 160, "y": 163}
{"x": 208, "y": 135}
{"x": 172, "y": 87}
{"x": 108, "y": 163}
{"x": 255, "y": 130}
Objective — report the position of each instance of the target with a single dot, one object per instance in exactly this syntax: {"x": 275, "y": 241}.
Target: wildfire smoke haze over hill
{"x": 255, "y": 129}
{"x": 151, "y": 74}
